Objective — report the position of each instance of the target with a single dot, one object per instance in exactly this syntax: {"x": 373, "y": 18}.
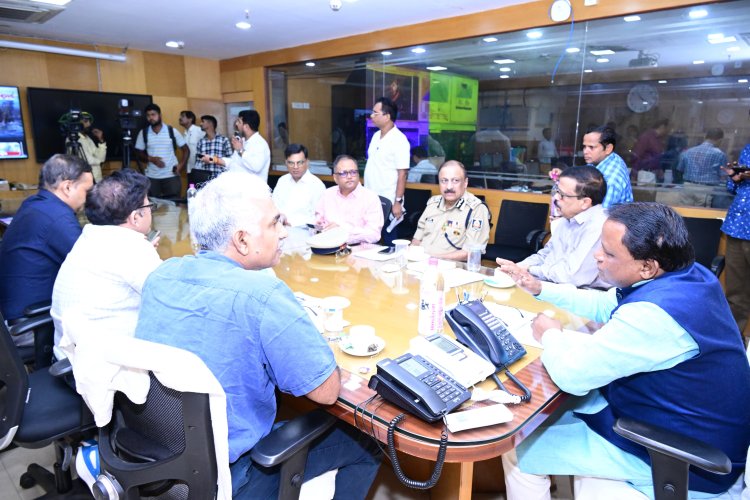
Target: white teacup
{"x": 361, "y": 337}
{"x": 333, "y": 307}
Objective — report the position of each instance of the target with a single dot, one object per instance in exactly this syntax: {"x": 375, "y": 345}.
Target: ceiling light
{"x": 53, "y": 2}
{"x": 489, "y": 39}
{"x": 602, "y": 60}
{"x": 722, "y": 39}
{"x": 698, "y": 61}
{"x": 631, "y": 19}
{"x": 733, "y": 49}
{"x": 418, "y": 50}
{"x": 534, "y": 34}
{"x": 505, "y": 69}
{"x": 605, "y": 52}
{"x": 697, "y": 13}
{"x": 662, "y": 81}
{"x": 504, "y": 76}
{"x": 742, "y": 80}
{"x": 310, "y": 64}
{"x": 9, "y": 44}
{"x": 503, "y": 61}
{"x": 572, "y": 50}
{"x": 588, "y": 70}
{"x": 436, "y": 68}
{"x": 245, "y": 25}
{"x": 174, "y": 44}
{"x": 387, "y": 53}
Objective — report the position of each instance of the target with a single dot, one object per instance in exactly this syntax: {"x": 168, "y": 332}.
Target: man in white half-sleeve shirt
{"x": 297, "y": 193}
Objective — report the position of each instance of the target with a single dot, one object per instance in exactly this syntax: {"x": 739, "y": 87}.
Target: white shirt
{"x": 101, "y": 280}
{"x": 385, "y": 157}
{"x": 546, "y": 151}
{"x": 192, "y": 135}
{"x": 297, "y": 199}
{"x": 256, "y": 157}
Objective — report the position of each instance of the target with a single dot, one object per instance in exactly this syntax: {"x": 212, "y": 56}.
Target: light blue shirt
{"x": 615, "y": 172}
{"x": 640, "y": 337}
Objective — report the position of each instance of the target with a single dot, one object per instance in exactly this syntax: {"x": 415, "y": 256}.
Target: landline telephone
{"x": 454, "y": 358}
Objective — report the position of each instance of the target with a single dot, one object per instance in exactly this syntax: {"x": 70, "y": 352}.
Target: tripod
{"x": 127, "y": 144}
{"x": 73, "y": 147}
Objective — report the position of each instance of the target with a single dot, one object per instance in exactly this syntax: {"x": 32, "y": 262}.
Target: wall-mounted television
{"x": 49, "y": 105}
{"x": 12, "y": 135}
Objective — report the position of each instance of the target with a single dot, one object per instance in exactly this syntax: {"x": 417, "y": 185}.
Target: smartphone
{"x": 153, "y": 234}
{"x": 388, "y": 250}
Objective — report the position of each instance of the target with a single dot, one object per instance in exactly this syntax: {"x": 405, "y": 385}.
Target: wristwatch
{"x": 400, "y": 199}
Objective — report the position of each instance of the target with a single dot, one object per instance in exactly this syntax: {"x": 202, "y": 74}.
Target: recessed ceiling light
{"x": 742, "y": 80}
{"x": 244, "y": 25}
{"x": 572, "y": 50}
{"x": 436, "y": 68}
{"x": 504, "y": 76}
{"x": 605, "y": 52}
{"x": 602, "y": 60}
{"x": 310, "y": 64}
{"x": 503, "y": 61}
{"x": 631, "y": 19}
{"x": 418, "y": 50}
{"x": 534, "y": 34}
{"x": 505, "y": 69}
{"x": 721, "y": 39}
{"x": 174, "y": 44}
{"x": 733, "y": 49}
{"x": 697, "y": 13}
{"x": 698, "y": 61}
{"x": 662, "y": 81}
{"x": 387, "y": 53}
{"x": 588, "y": 70}
{"x": 53, "y": 2}
{"x": 489, "y": 39}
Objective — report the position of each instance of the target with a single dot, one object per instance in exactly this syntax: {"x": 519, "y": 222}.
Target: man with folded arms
{"x": 350, "y": 205}
{"x": 568, "y": 257}
{"x": 252, "y": 333}
{"x": 656, "y": 359}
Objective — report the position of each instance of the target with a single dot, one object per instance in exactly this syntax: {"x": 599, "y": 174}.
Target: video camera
{"x": 128, "y": 116}
{"x": 70, "y": 124}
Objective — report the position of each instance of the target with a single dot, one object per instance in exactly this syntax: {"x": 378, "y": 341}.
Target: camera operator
{"x": 93, "y": 145}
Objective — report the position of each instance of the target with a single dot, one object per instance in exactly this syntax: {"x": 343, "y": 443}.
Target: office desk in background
{"x": 388, "y": 301}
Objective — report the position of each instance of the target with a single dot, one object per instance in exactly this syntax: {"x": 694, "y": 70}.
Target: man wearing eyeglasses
{"x": 454, "y": 220}
{"x": 388, "y": 158}
{"x": 297, "y": 193}
{"x": 568, "y": 257}
{"x": 101, "y": 280}
{"x": 350, "y": 205}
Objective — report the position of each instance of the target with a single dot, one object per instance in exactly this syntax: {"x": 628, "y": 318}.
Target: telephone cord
{"x": 411, "y": 483}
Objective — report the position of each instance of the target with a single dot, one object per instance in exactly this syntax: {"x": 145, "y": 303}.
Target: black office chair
{"x": 386, "y": 204}
{"x": 164, "y": 448}
{"x": 415, "y": 201}
{"x": 38, "y": 409}
{"x": 429, "y": 179}
{"x": 671, "y": 456}
{"x": 36, "y": 319}
{"x": 705, "y": 235}
{"x": 520, "y": 230}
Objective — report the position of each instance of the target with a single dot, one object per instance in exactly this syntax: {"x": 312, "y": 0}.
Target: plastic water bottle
{"x": 431, "y": 300}
{"x": 191, "y": 192}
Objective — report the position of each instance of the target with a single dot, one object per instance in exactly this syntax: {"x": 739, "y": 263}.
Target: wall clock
{"x": 560, "y": 10}
{"x": 642, "y": 97}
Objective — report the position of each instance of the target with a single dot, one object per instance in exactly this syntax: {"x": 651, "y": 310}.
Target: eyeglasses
{"x": 377, "y": 113}
{"x": 290, "y": 163}
{"x": 150, "y": 206}
{"x": 556, "y": 191}
{"x": 347, "y": 173}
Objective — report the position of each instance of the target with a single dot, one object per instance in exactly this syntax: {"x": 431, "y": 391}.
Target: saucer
{"x": 331, "y": 326}
{"x": 377, "y": 345}
{"x": 500, "y": 281}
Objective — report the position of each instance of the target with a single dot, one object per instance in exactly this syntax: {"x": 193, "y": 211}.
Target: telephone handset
{"x": 486, "y": 335}
{"x": 418, "y": 386}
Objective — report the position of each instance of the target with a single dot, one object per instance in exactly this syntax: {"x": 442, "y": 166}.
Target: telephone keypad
{"x": 444, "y": 386}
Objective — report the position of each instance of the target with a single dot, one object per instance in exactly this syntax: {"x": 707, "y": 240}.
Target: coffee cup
{"x": 361, "y": 337}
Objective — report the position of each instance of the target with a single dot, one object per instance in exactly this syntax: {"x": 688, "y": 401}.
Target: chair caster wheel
{"x": 27, "y": 481}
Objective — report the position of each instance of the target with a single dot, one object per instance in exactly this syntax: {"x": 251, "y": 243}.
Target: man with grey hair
{"x": 251, "y": 332}
{"x": 42, "y": 233}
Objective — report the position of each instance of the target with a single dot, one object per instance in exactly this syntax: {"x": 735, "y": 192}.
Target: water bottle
{"x": 191, "y": 192}
{"x": 431, "y": 300}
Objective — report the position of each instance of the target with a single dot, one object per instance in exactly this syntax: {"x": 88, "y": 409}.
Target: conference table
{"x": 387, "y": 300}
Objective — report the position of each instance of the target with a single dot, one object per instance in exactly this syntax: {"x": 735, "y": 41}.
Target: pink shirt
{"x": 360, "y": 213}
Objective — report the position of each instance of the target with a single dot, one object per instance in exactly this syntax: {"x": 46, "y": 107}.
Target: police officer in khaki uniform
{"x": 455, "y": 220}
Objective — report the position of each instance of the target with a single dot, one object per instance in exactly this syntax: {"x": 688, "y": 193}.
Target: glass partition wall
{"x": 513, "y": 105}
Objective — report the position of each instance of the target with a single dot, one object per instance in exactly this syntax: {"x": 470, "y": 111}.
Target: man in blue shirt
{"x": 737, "y": 228}
{"x": 251, "y": 332}
{"x": 656, "y": 359}
{"x": 599, "y": 151}
{"x": 701, "y": 169}
{"x": 42, "y": 233}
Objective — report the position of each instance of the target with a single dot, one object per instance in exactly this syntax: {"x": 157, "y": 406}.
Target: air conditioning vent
{"x": 24, "y": 12}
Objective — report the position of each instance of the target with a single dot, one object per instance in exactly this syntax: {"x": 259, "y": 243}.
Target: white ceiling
{"x": 207, "y": 26}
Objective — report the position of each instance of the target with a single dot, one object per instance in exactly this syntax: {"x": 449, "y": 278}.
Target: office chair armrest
{"x": 61, "y": 368}
{"x": 535, "y": 239}
{"x": 672, "y": 444}
{"x": 38, "y": 308}
{"x": 288, "y": 439}
{"x": 717, "y": 265}
{"x": 30, "y": 324}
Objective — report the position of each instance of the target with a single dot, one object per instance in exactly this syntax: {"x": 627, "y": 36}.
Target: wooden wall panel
{"x": 201, "y": 78}
{"x": 209, "y": 107}
{"x": 23, "y": 68}
{"x": 312, "y": 126}
{"x": 237, "y": 81}
{"x": 165, "y": 74}
{"x": 127, "y": 77}
{"x": 63, "y": 75}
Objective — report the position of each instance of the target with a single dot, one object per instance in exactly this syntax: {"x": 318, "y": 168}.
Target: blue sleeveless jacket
{"x": 706, "y": 397}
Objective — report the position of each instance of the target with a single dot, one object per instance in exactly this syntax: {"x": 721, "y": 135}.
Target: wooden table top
{"x": 388, "y": 302}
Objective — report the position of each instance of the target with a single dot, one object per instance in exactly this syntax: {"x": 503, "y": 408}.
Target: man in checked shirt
{"x": 211, "y": 147}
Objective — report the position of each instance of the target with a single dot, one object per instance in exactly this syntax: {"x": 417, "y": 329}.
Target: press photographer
{"x": 83, "y": 140}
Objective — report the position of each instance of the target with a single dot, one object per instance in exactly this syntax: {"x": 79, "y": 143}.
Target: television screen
{"x": 48, "y": 106}
{"x": 12, "y": 136}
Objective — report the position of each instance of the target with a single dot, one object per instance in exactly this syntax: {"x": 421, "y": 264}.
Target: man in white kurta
{"x": 297, "y": 193}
